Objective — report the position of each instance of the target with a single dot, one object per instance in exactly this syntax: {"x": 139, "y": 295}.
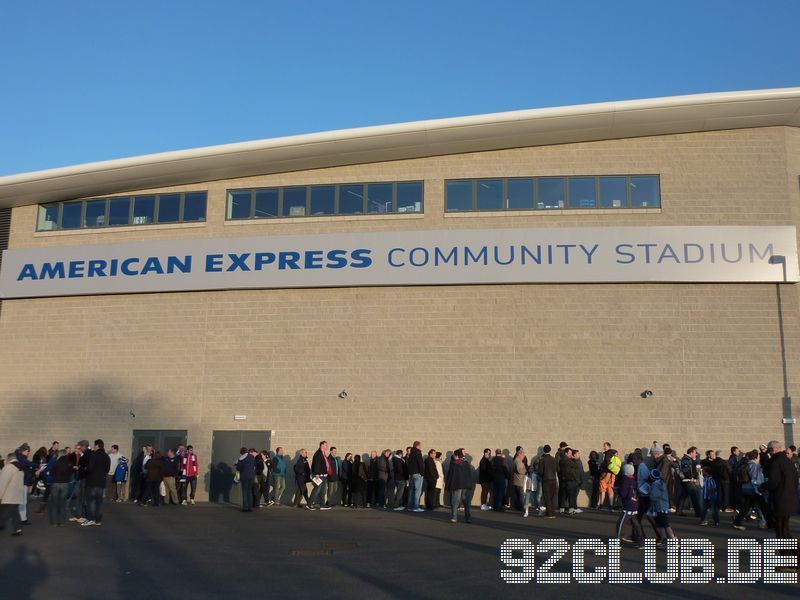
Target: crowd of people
{"x": 644, "y": 486}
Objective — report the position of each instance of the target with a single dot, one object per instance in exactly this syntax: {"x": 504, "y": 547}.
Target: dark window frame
{"x": 131, "y": 204}
{"x": 336, "y": 205}
{"x": 566, "y": 178}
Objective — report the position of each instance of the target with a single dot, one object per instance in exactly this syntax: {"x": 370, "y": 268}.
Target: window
{"x": 613, "y": 192}
{"x": 194, "y": 207}
{"x": 409, "y": 197}
{"x": 327, "y": 200}
{"x": 48, "y": 217}
{"x": 95, "y": 213}
{"x": 519, "y": 195}
{"x": 379, "y": 198}
{"x": 459, "y": 195}
{"x": 294, "y": 202}
{"x": 490, "y": 194}
{"x": 71, "y": 215}
{"x": 144, "y": 210}
{"x": 266, "y": 204}
{"x": 239, "y": 205}
{"x": 323, "y": 200}
{"x": 351, "y": 199}
{"x": 644, "y": 192}
{"x": 169, "y": 208}
{"x": 582, "y": 192}
{"x": 121, "y": 211}
{"x": 553, "y": 193}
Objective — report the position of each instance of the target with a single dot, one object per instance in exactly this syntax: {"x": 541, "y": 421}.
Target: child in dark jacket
{"x": 630, "y": 507}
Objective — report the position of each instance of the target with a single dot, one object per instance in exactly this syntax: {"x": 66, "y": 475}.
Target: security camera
{"x": 646, "y": 394}
{"x": 343, "y": 394}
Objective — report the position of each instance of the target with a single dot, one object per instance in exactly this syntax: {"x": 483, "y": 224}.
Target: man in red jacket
{"x": 190, "y": 469}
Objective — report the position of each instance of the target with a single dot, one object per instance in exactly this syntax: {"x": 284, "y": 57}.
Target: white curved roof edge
{"x": 514, "y": 129}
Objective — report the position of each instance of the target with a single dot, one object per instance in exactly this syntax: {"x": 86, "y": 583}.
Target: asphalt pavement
{"x": 215, "y": 551}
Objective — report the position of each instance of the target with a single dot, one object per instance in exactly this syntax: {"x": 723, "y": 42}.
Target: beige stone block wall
{"x": 473, "y": 366}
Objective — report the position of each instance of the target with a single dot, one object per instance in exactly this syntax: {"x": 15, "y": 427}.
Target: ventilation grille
{"x": 5, "y": 231}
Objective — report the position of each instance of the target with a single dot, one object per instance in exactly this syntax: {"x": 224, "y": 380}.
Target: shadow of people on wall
{"x": 220, "y": 482}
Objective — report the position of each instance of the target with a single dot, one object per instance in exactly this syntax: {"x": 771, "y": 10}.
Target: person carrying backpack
{"x": 609, "y": 470}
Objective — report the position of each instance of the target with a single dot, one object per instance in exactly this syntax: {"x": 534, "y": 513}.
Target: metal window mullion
{"x": 535, "y": 193}
{"x": 474, "y": 195}
{"x": 156, "y": 206}
{"x": 394, "y": 197}
{"x": 629, "y": 195}
{"x": 336, "y": 199}
{"x": 364, "y": 199}
{"x": 280, "y": 202}
{"x": 180, "y": 207}
{"x": 504, "y": 193}
{"x": 253, "y": 203}
{"x": 107, "y": 214}
{"x": 308, "y": 201}
{"x": 566, "y": 192}
{"x": 83, "y": 215}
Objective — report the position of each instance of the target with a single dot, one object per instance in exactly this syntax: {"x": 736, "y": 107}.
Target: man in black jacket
{"x": 460, "y": 484}
{"x": 485, "y": 478}
{"x": 500, "y": 474}
{"x": 416, "y": 468}
{"x": 320, "y": 471}
{"x": 548, "y": 474}
{"x": 302, "y": 475}
{"x": 400, "y": 479}
{"x": 782, "y": 486}
{"x": 431, "y": 474}
{"x": 97, "y": 466}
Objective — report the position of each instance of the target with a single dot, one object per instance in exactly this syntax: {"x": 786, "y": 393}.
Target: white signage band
{"x": 423, "y": 257}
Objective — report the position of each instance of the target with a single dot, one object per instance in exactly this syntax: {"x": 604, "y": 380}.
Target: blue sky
{"x": 84, "y": 81}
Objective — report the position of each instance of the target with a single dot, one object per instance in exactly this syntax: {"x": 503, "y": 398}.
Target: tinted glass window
{"x": 459, "y": 195}
{"x": 551, "y": 192}
{"x": 71, "y": 215}
{"x": 351, "y": 199}
{"x": 169, "y": 208}
{"x": 119, "y": 211}
{"x": 266, "y": 204}
{"x": 95, "y": 213}
{"x": 144, "y": 208}
{"x": 379, "y": 197}
{"x": 644, "y": 192}
{"x": 294, "y": 202}
{"x": 322, "y": 200}
{"x": 409, "y": 197}
{"x": 194, "y": 206}
{"x": 48, "y": 217}
{"x": 490, "y": 194}
{"x": 582, "y": 192}
{"x": 520, "y": 193}
{"x": 239, "y": 207}
{"x": 613, "y": 192}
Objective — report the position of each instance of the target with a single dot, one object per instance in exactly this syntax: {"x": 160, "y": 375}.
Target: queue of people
{"x": 646, "y": 486}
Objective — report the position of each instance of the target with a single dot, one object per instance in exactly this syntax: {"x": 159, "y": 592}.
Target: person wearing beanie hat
{"x": 628, "y": 493}
{"x": 659, "y": 506}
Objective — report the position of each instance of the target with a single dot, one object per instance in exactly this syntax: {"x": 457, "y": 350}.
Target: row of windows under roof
{"x": 147, "y": 209}
{"x": 325, "y": 200}
{"x": 461, "y": 195}
{"x": 547, "y": 193}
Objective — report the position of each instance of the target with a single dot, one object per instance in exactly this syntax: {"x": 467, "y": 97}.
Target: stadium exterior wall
{"x": 472, "y": 366}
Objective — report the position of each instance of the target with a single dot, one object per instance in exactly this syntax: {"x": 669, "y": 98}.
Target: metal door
{"x": 225, "y": 448}
{"x": 161, "y": 439}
